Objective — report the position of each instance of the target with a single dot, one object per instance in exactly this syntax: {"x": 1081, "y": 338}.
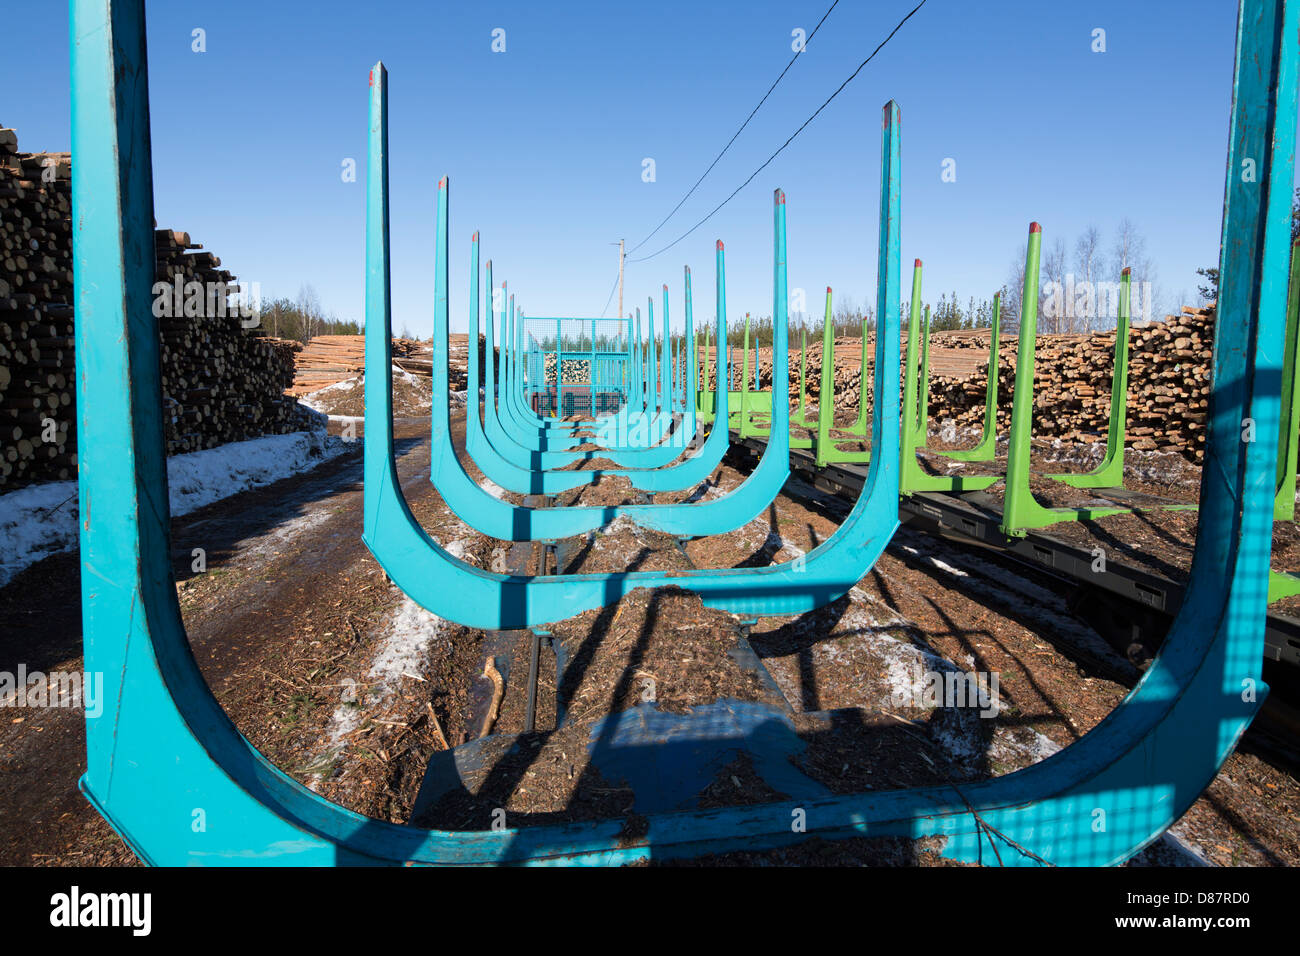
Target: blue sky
{"x": 544, "y": 143}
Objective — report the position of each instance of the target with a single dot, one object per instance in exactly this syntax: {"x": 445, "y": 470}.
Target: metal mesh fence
{"x": 590, "y": 358}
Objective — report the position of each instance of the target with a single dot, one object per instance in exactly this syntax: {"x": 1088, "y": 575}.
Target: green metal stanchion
{"x": 923, "y": 404}
{"x": 987, "y": 447}
{"x": 802, "y": 418}
{"x": 1020, "y": 510}
{"x": 911, "y": 478}
{"x": 704, "y": 397}
{"x": 827, "y": 451}
{"x": 753, "y": 422}
{"x": 739, "y": 416}
{"x": 1110, "y": 473}
{"x": 1282, "y": 584}
{"x": 859, "y": 427}
{"x": 749, "y": 402}
{"x": 1289, "y": 435}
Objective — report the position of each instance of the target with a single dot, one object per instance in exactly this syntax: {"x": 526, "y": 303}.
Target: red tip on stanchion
{"x": 474, "y": 238}
{"x": 917, "y": 263}
{"x": 489, "y": 263}
{"x": 442, "y": 183}
{"x": 665, "y": 286}
{"x": 719, "y": 245}
{"x": 828, "y": 290}
{"x": 780, "y": 198}
{"x": 1035, "y": 227}
{"x": 1125, "y": 271}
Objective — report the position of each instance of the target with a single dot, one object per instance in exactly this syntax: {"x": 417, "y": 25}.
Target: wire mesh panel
{"x": 582, "y": 365}
{"x": 539, "y": 368}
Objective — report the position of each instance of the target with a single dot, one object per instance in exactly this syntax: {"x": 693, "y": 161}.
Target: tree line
{"x": 303, "y": 319}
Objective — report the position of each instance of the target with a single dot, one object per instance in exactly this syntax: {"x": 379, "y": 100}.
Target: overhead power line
{"x": 690, "y": 191}
{"x": 609, "y": 298}
{"x": 805, "y": 123}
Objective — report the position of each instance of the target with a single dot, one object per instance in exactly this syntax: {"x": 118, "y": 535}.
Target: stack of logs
{"x": 221, "y": 382}
{"x": 1168, "y": 386}
{"x": 329, "y": 359}
{"x": 36, "y": 368}
{"x": 576, "y": 371}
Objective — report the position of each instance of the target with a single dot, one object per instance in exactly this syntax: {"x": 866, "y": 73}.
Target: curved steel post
{"x": 163, "y": 745}
{"x": 451, "y": 588}
{"x": 521, "y": 425}
{"x": 923, "y": 389}
{"x": 485, "y": 512}
{"x": 669, "y": 436}
{"x": 477, "y": 445}
{"x": 479, "y": 434}
{"x": 527, "y": 472}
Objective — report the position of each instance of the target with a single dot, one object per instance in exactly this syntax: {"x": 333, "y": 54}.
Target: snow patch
{"x": 347, "y": 385}
{"x": 902, "y": 660}
{"x": 202, "y": 477}
{"x": 403, "y": 375}
{"x": 1186, "y": 852}
{"x": 41, "y": 520}
{"x": 1021, "y": 746}
{"x": 404, "y": 646}
{"x": 274, "y": 540}
{"x": 495, "y": 490}
{"x": 415, "y": 395}
{"x": 402, "y": 650}
{"x": 937, "y": 562}
{"x": 621, "y": 523}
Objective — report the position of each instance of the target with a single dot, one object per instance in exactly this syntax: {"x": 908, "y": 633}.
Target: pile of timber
{"x": 221, "y": 381}
{"x": 1168, "y": 385}
{"x": 329, "y": 359}
{"x": 576, "y": 371}
{"x": 1168, "y": 388}
{"x": 36, "y": 368}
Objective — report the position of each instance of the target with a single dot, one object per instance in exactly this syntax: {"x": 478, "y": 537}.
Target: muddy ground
{"x": 355, "y": 691}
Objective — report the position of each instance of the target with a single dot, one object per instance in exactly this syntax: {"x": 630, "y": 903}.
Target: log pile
{"x": 37, "y": 383}
{"x": 221, "y": 381}
{"x": 576, "y": 371}
{"x": 1168, "y": 389}
{"x": 329, "y": 359}
{"x": 1168, "y": 394}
